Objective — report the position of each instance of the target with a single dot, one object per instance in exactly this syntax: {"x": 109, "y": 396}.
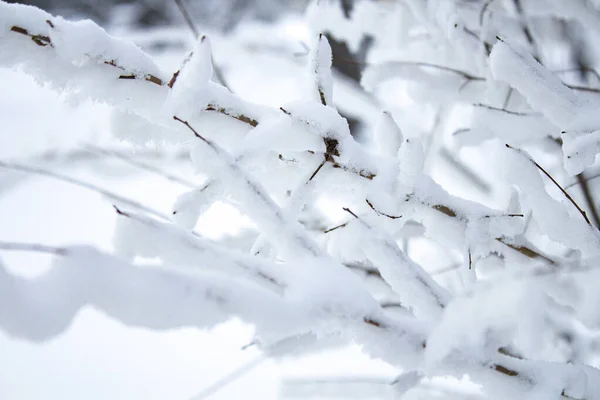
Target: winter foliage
{"x": 503, "y": 93}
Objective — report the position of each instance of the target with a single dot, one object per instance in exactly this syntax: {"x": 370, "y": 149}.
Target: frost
{"x": 479, "y": 266}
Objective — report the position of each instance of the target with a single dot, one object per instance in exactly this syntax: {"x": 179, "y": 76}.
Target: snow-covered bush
{"x": 355, "y": 242}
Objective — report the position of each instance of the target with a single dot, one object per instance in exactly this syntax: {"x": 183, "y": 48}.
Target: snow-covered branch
{"x": 508, "y": 317}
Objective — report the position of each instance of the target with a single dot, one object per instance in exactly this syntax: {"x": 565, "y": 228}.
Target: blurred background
{"x": 222, "y": 15}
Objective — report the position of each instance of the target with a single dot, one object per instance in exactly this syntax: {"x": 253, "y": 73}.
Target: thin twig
{"x": 463, "y": 169}
{"x": 483, "y": 10}
{"x": 199, "y": 136}
{"x": 470, "y": 259}
{"x": 317, "y": 170}
{"x": 140, "y": 164}
{"x": 444, "y": 270}
{"x": 240, "y": 117}
{"x": 586, "y": 179}
{"x": 115, "y": 197}
{"x": 33, "y": 247}
{"x": 525, "y": 28}
{"x": 336, "y": 227}
{"x": 527, "y": 251}
{"x": 190, "y": 23}
{"x": 382, "y": 213}
{"x": 350, "y": 212}
{"x": 188, "y": 18}
{"x": 580, "y": 69}
{"x": 464, "y": 74}
{"x": 229, "y": 378}
{"x": 553, "y": 181}
{"x": 583, "y": 88}
{"x": 587, "y": 194}
{"x": 521, "y": 114}
{"x": 507, "y": 98}
{"x": 503, "y": 215}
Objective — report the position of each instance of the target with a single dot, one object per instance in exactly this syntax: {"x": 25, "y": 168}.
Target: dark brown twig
{"x": 470, "y": 259}
{"x": 336, "y": 227}
{"x": 503, "y": 215}
{"x": 350, "y": 212}
{"x": 43, "y": 40}
{"x": 240, "y": 117}
{"x": 190, "y": 128}
{"x": 587, "y": 194}
{"x": 553, "y": 181}
{"x": 521, "y": 114}
{"x": 527, "y": 251}
{"x": 40, "y": 40}
{"x": 583, "y": 88}
{"x": 317, "y": 170}
{"x": 382, "y": 213}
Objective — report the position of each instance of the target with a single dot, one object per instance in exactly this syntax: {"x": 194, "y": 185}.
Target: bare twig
{"x": 586, "y": 179}
{"x": 33, "y": 247}
{"x": 463, "y": 169}
{"x": 583, "y": 88}
{"x": 350, "y": 212}
{"x": 176, "y": 118}
{"x": 483, "y": 10}
{"x": 317, "y": 170}
{"x": 527, "y": 251}
{"x": 43, "y": 41}
{"x": 526, "y": 31}
{"x": 40, "y": 40}
{"x": 114, "y": 197}
{"x": 521, "y": 114}
{"x": 188, "y": 18}
{"x": 382, "y": 213}
{"x": 503, "y": 215}
{"x": 229, "y": 378}
{"x": 336, "y": 227}
{"x": 470, "y": 259}
{"x": 587, "y": 194}
{"x": 140, "y": 164}
{"x": 567, "y": 195}
{"x": 240, "y": 117}
{"x": 464, "y": 74}
{"x": 445, "y": 270}
{"x": 583, "y": 69}
{"x": 190, "y": 23}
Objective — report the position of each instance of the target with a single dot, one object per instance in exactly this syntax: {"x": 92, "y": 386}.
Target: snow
{"x": 387, "y": 135}
{"x": 287, "y": 223}
{"x": 556, "y": 221}
{"x": 320, "y": 71}
{"x": 190, "y": 205}
{"x": 543, "y": 90}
